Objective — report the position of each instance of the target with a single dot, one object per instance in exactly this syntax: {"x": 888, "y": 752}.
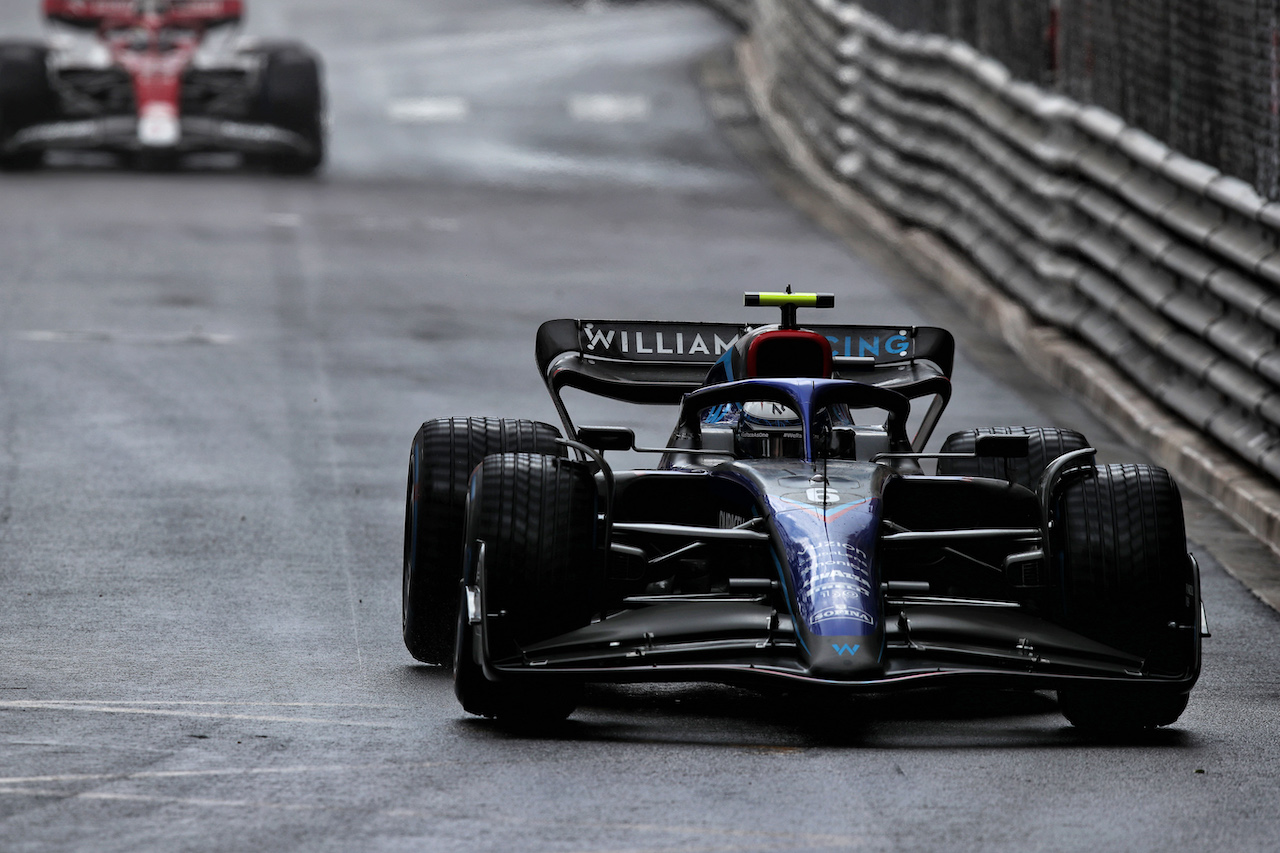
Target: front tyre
{"x": 26, "y": 98}
{"x": 1127, "y": 581}
{"x": 533, "y": 554}
{"x": 1117, "y": 710}
{"x": 291, "y": 96}
{"x": 444, "y": 453}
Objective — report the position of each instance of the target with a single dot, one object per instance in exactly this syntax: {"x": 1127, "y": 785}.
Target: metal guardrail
{"x": 1164, "y": 265}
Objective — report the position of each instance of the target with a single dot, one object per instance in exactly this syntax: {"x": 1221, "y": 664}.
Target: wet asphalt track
{"x": 208, "y": 384}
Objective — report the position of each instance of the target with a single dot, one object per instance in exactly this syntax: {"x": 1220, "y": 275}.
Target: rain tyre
{"x": 26, "y": 98}
{"x": 1119, "y": 544}
{"x": 444, "y": 453}
{"x": 1045, "y": 445}
{"x": 291, "y": 96}
{"x": 534, "y": 519}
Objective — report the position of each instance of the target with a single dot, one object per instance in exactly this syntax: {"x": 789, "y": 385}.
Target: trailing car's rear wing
{"x": 93, "y": 13}
{"x": 648, "y": 361}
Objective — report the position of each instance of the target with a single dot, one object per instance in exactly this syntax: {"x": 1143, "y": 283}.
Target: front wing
{"x": 744, "y": 640}
{"x": 120, "y": 133}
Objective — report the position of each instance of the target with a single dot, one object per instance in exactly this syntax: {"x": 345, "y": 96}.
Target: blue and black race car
{"x": 790, "y": 534}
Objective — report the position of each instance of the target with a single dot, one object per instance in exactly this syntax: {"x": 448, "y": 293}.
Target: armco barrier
{"x": 1165, "y": 266}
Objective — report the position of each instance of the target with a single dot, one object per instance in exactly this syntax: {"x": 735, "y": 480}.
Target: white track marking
{"x": 109, "y": 708}
{"x": 208, "y": 703}
{"x": 741, "y": 839}
{"x": 429, "y": 110}
{"x": 610, "y": 108}
{"x": 284, "y": 220}
{"x": 311, "y": 267}
{"x": 86, "y": 336}
{"x": 229, "y": 771}
{"x": 201, "y": 802}
{"x": 408, "y": 223}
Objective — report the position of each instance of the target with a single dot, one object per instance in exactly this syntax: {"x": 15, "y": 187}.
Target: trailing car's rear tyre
{"x": 26, "y": 98}
{"x": 1045, "y": 444}
{"x": 444, "y": 453}
{"x": 531, "y": 529}
{"x": 1126, "y": 580}
{"x": 291, "y": 96}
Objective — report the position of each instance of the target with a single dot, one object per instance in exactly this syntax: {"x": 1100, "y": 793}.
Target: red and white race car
{"x": 158, "y": 79}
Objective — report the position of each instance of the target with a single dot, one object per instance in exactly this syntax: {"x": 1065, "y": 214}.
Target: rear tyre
{"x": 444, "y": 453}
{"x": 1045, "y": 445}
{"x": 26, "y": 98}
{"x": 1127, "y": 581}
{"x": 291, "y": 96}
{"x": 536, "y": 517}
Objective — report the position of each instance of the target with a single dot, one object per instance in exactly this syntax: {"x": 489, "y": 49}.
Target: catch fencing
{"x": 1166, "y": 265}
{"x": 1201, "y": 75}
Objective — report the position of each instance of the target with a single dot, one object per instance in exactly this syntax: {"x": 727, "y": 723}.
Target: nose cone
{"x": 158, "y": 126}
{"x": 845, "y": 658}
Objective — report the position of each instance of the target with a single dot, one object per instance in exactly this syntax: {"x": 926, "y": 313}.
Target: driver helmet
{"x": 768, "y": 430}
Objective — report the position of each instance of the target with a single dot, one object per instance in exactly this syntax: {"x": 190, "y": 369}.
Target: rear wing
{"x": 93, "y": 13}
{"x": 648, "y": 361}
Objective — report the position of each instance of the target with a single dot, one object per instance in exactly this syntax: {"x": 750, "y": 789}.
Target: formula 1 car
{"x": 157, "y": 79}
{"x": 789, "y": 534}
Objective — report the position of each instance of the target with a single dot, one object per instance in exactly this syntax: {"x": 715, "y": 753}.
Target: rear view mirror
{"x": 607, "y": 437}
{"x": 1002, "y": 447}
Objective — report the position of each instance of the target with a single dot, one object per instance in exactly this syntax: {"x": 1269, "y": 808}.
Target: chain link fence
{"x": 1201, "y": 75}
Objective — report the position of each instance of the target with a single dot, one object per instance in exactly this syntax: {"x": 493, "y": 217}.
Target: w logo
{"x": 845, "y": 647}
